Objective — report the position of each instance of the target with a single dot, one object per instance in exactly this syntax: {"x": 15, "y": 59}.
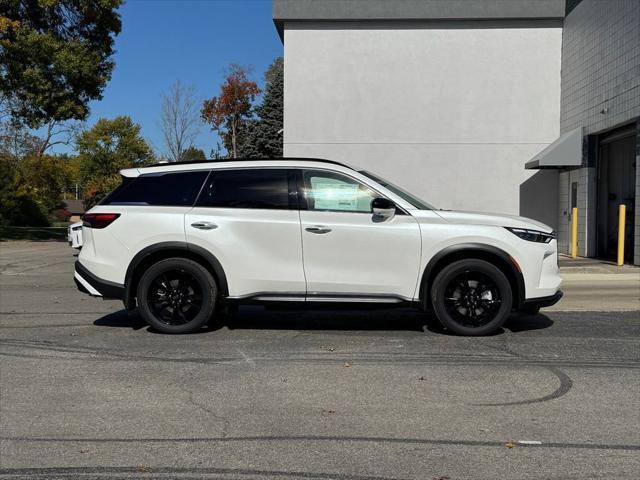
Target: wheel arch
{"x": 159, "y": 251}
{"x": 479, "y": 251}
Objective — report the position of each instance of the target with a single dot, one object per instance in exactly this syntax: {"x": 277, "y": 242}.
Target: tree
{"x": 108, "y": 147}
{"x": 179, "y": 120}
{"x": 55, "y": 56}
{"x": 263, "y": 138}
{"x": 192, "y": 153}
{"x": 16, "y": 141}
{"x": 57, "y": 133}
{"x": 228, "y": 112}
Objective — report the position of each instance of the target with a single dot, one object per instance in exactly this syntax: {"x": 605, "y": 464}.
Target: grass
{"x": 33, "y": 233}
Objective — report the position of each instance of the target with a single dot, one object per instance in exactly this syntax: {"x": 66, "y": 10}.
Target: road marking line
{"x": 529, "y": 442}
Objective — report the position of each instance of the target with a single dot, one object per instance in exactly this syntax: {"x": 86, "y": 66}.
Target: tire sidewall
{"x": 448, "y": 273}
{"x": 200, "y": 274}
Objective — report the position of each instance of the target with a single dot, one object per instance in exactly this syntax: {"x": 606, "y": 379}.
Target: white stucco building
{"x": 448, "y": 98}
{"x": 516, "y": 106}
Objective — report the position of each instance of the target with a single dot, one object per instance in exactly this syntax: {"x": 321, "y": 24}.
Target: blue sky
{"x": 189, "y": 40}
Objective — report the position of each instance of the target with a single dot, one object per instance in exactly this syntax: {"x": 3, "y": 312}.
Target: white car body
{"x": 74, "y": 235}
{"x": 271, "y": 255}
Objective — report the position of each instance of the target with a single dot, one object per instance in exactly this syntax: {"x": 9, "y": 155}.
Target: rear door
{"x": 248, "y": 218}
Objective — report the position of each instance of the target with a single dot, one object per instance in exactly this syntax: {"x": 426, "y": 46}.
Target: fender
{"x": 478, "y": 248}
{"x": 143, "y": 254}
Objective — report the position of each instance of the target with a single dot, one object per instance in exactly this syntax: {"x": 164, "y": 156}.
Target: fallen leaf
{"x": 347, "y": 364}
{"x": 509, "y": 445}
{"x": 142, "y": 468}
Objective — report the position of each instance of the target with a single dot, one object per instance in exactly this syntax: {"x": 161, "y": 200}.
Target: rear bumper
{"x": 542, "y": 302}
{"x": 88, "y": 283}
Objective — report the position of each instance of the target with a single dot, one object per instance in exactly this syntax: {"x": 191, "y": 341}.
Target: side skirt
{"x": 324, "y": 299}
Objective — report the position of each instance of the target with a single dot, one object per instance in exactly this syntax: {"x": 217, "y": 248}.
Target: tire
{"x": 177, "y": 295}
{"x": 471, "y": 297}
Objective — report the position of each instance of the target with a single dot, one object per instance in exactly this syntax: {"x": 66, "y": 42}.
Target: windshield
{"x": 412, "y": 199}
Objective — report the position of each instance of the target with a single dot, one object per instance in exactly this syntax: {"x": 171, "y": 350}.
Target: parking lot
{"x": 88, "y": 391}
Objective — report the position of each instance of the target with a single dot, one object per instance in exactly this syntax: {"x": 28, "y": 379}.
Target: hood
{"x": 493, "y": 219}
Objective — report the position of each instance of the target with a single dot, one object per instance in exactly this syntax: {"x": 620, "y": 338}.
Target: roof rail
{"x": 297, "y": 159}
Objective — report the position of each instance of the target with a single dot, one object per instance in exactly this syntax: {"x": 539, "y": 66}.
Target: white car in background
{"x": 176, "y": 239}
{"x": 74, "y": 235}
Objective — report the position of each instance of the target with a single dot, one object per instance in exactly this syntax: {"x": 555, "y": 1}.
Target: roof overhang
{"x": 413, "y": 10}
{"x": 565, "y": 152}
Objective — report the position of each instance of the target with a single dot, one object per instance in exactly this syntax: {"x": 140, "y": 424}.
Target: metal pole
{"x": 574, "y": 232}
{"x": 622, "y": 212}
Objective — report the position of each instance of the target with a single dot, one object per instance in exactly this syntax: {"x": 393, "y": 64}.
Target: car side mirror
{"x": 383, "y": 208}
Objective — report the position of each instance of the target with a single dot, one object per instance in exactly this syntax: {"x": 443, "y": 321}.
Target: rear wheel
{"x": 471, "y": 297}
{"x": 177, "y": 295}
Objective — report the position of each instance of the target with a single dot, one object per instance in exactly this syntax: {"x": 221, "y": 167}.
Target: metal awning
{"x": 566, "y": 151}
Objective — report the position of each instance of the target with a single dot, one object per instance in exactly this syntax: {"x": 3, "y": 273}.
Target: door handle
{"x": 204, "y": 225}
{"x": 318, "y": 229}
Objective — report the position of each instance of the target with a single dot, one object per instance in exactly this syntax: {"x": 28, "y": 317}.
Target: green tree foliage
{"x": 262, "y": 137}
{"x": 32, "y": 188}
{"x": 55, "y": 56}
{"x": 193, "y": 153}
{"x": 104, "y": 150}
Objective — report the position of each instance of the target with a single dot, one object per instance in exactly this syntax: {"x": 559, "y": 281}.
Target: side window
{"x": 248, "y": 188}
{"x": 162, "y": 189}
{"x": 336, "y": 192}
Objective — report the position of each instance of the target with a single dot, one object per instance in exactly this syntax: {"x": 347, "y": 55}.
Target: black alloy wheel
{"x": 471, "y": 297}
{"x": 177, "y": 295}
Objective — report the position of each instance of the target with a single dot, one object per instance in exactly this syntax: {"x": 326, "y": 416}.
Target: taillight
{"x": 98, "y": 220}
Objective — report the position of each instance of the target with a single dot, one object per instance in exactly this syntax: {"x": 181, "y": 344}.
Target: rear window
{"x": 163, "y": 189}
{"x": 248, "y": 188}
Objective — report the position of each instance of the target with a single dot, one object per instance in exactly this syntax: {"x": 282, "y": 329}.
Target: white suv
{"x": 178, "y": 240}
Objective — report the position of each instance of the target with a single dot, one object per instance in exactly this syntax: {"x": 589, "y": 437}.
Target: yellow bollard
{"x": 574, "y": 232}
{"x": 622, "y": 212}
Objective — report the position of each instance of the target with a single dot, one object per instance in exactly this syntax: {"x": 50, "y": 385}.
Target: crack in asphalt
{"x": 197, "y": 404}
{"x": 328, "y": 438}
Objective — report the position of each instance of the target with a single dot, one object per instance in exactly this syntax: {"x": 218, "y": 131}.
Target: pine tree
{"x": 262, "y": 137}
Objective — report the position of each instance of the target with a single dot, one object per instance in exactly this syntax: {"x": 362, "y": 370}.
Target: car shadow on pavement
{"x": 259, "y": 318}
{"x": 516, "y": 323}
{"x": 122, "y": 319}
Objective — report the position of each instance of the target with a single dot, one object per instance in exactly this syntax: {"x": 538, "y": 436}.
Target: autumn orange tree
{"x": 229, "y": 111}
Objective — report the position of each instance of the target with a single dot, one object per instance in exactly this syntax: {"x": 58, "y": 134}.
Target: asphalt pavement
{"x": 89, "y": 391}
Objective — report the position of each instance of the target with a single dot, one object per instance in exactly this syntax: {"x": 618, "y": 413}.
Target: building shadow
{"x": 539, "y": 197}
{"x": 305, "y": 318}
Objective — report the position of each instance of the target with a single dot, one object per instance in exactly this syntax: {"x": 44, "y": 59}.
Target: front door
{"x": 248, "y": 219}
{"x": 348, "y": 252}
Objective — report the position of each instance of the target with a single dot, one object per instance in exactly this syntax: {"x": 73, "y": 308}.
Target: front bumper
{"x": 542, "y": 302}
{"x": 88, "y": 283}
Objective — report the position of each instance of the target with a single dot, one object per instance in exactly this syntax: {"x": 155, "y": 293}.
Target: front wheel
{"x": 176, "y": 295}
{"x": 471, "y": 297}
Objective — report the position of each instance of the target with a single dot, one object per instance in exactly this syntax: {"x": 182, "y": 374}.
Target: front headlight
{"x": 532, "y": 235}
